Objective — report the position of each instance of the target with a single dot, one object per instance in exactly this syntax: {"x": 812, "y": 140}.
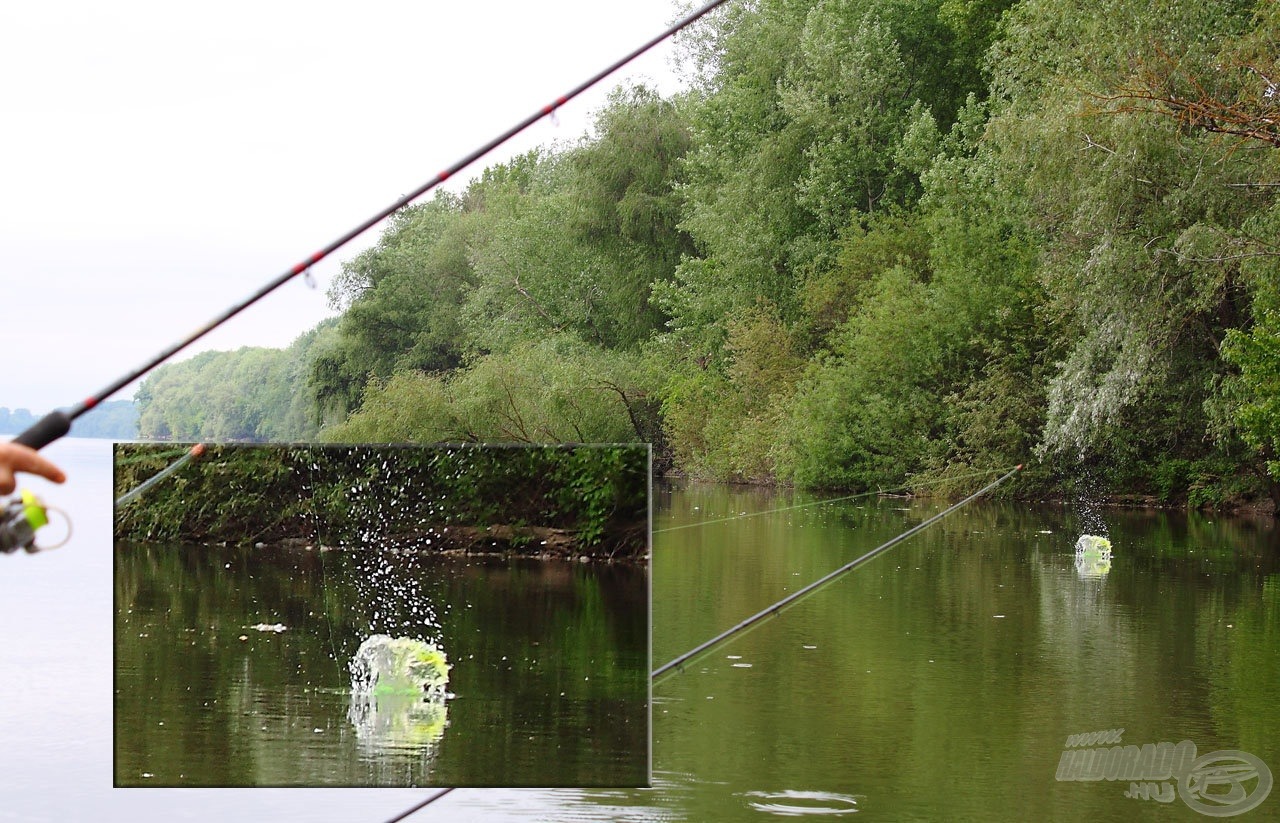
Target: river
{"x": 957, "y": 677}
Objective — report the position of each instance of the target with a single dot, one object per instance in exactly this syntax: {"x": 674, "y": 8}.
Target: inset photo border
{"x": 324, "y": 615}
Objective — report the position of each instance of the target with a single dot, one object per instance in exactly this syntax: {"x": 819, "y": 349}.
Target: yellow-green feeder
{"x": 1093, "y": 555}
{"x": 386, "y": 665}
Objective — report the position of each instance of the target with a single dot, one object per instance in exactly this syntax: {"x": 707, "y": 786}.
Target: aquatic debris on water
{"x": 269, "y": 627}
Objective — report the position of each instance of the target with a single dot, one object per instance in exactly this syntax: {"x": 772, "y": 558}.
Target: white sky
{"x": 160, "y": 161}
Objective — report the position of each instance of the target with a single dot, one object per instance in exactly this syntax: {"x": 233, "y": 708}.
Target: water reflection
{"x": 397, "y": 724}
{"x": 941, "y": 681}
{"x": 398, "y": 696}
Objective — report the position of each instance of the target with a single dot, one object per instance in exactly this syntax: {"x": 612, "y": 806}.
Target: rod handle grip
{"x": 45, "y": 430}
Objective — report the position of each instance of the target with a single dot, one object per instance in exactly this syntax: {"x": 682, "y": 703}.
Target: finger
{"x": 23, "y": 459}
{"x": 6, "y": 479}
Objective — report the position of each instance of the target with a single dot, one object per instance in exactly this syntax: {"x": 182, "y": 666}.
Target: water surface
{"x": 942, "y": 680}
{"x": 232, "y": 669}
{"x": 916, "y": 700}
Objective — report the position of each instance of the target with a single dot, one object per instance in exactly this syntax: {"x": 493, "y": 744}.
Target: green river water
{"x": 941, "y": 681}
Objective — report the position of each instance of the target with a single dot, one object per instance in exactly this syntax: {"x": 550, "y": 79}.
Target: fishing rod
{"x": 129, "y": 496}
{"x": 678, "y": 663}
{"x": 433, "y": 798}
{"x": 57, "y": 423}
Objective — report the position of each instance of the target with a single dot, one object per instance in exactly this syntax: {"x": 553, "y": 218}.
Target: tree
{"x": 557, "y": 389}
{"x": 1129, "y": 206}
{"x": 251, "y": 394}
{"x": 402, "y": 301}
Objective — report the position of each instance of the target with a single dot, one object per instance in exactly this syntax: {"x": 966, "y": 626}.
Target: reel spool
{"x": 21, "y": 518}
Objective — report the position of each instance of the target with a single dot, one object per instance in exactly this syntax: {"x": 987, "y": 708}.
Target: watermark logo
{"x": 1226, "y": 783}
{"x": 1218, "y": 784}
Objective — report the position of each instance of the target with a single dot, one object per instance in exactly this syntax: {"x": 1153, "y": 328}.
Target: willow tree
{"x": 1129, "y": 204}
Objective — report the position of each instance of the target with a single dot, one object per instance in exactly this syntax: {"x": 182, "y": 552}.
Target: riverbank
{"x": 555, "y": 501}
{"x": 1035, "y": 487}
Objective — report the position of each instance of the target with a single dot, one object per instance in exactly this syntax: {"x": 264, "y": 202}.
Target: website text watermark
{"x": 1219, "y": 784}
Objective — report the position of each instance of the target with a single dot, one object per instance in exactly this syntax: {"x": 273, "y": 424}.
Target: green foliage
{"x": 812, "y": 122}
{"x": 831, "y": 297}
{"x": 251, "y": 394}
{"x": 1140, "y": 223}
{"x": 623, "y": 187}
{"x": 1257, "y": 355}
{"x": 863, "y": 416}
{"x": 340, "y": 495}
{"x": 877, "y": 242}
{"x": 723, "y": 422}
{"x": 557, "y": 389}
{"x": 247, "y": 494}
{"x": 402, "y": 301}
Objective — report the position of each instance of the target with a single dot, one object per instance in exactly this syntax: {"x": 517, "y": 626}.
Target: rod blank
{"x": 50, "y": 427}
{"x": 791, "y": 599}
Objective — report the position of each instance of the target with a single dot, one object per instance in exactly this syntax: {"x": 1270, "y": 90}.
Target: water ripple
{"x": 801, "y": 803}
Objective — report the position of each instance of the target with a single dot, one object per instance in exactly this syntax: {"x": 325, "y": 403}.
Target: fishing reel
{"x": 21, "y": 518}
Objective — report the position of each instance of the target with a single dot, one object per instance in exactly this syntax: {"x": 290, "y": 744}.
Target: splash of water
{"x": 399, "y": 665}
{"x": 1093, "y": 556}
{"x": 1089, "y": 501}
{"x": 1091, "y": 544}
{"x": 398, "y": 695}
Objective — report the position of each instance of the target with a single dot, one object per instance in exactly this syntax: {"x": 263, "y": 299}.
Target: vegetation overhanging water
{"x": 875, "y": 242}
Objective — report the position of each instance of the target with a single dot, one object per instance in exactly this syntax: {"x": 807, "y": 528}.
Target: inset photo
{"x": 321, "y": 615}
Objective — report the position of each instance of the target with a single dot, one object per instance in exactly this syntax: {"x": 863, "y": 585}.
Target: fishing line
{"x": 320, "y": 553}
{"x": 57, "y": 423}
{"x": 660, "y": 673}
{"x": 826, "y": 501}
{"x": 66, "y": 518}
{"x": 677, "y": 665}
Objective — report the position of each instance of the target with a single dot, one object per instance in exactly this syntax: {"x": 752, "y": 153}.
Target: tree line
{"x": 111, "y": 420}
{"x": 875, "y": 241}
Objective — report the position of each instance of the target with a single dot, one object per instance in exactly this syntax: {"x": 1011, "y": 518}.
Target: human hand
{"x": 15, "y": 457}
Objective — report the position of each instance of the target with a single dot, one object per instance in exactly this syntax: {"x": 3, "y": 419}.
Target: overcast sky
{"x": 161, "y": 161}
